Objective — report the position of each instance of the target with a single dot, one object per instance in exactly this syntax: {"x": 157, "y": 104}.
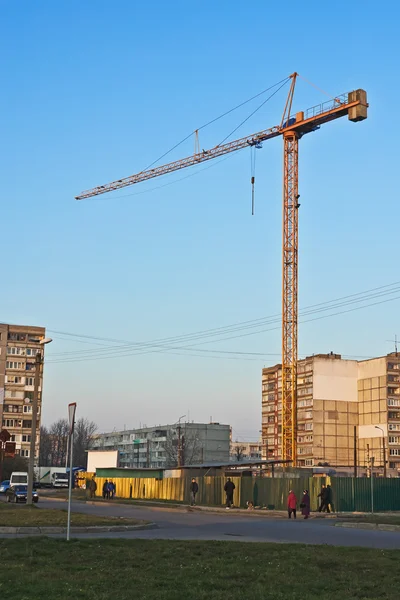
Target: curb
{"x": 375, "y": 526}
{"x": 91, "y": 529}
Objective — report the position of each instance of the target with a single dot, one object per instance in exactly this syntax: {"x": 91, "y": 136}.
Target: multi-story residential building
{"x": 18, "y": 348}
{"x": 379, "y": 411}
{"x": 246, "y": 450}
{"x": 335, "y": 396}
{"x": 160, "y": 447}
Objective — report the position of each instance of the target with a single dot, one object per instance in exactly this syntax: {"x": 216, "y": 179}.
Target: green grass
{"x": 31, "y": 516}
{"x": 37, "y": 568}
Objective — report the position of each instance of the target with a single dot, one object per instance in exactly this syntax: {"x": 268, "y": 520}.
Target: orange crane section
{"x": 292, "y": 128}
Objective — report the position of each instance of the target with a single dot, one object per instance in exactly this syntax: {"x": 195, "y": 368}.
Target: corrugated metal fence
{"x": 348, "y": 494}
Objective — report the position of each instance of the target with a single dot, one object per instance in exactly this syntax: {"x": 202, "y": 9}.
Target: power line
{"x": 312, "y": 309}
{"x": 156, "y": 349}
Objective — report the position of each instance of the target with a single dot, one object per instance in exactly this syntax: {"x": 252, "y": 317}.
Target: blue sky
{"x": 95, "y": 91}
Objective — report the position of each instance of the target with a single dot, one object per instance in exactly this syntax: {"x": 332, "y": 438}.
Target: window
{"x": 391, "y": 366}
{"x": 393, "y": 465}
{"x": 32, "y": 351}
{"x": 14, "y": 379}
{"x": 26, "y": 438}
{"x": 17, "y": 337}
{"x": 26, "y": 424}
{"x": 14, "y": 350}
{"x": 27, "y": 409}
{"x": 394, "y": 427}
{"x": 14, "y": 365}
{"x": 393, "y": 401}
{"x": 29, "y": 381}
{"x": 394, "y": 439}
{"x": 309, "y": 462}
{"x": 12, "y": 408}
{"x": 30, "y": 366}
{"x": 394, "y": 451}
{"x": 394, "y": 415}
{"x": 308, "y": 426}
{"x": 24, "y": 453}
{"x": 8, "y": 422}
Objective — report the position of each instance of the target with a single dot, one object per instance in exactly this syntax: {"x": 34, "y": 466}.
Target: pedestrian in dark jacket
{"x": 105, "y": 490}
{"x": 110, "y": 490}
{"x": 92, "y": 487}
{"x": 322, "y": 495}
{"x": 291, "y": 504}
{"x": 229, "y": 489}
{"x": 194, "y": 488}
{"x": 305, "y": 504}
{"x": 329, "y": 499}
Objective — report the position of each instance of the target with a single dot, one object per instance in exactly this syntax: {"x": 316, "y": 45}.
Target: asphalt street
{"x": 180, "y": 525}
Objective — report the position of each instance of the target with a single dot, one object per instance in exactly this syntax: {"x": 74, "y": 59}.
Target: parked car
{"x": 4, "y": 485}
{"x": 19, "y": 493}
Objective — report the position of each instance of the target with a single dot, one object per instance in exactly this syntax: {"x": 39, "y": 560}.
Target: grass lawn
{"x": 36, "y": 568}
{"x": 31, "y": 516}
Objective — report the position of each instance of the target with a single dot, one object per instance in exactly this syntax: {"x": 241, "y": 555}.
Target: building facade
{"x": 167, "y": 446}
{"x": 337, "y": 401}
{"x": 246, "y": 450}
{"x": 18, "y": 348}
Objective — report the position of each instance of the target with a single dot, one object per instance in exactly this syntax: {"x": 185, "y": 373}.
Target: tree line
{"x": 54, "y": 443}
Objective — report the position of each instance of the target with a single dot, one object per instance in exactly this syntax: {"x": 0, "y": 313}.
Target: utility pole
{"x": 372, "y": 483}
{"x": 368, "y": 461}
{"x": 32, "y": 452}
{"x": 355, "y": 451}
{"x": 383, "y": 449}
{"x": 179, "y": 446}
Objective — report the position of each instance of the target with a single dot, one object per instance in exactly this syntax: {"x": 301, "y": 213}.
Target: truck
{"x": 56, "y": 477}
{"x": 18, "y": 478}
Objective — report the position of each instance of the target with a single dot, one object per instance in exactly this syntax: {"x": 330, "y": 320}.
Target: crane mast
{"x": 292, "y": 128}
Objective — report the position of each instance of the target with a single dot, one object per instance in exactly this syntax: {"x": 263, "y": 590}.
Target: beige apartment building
{"x": 334, "y": 397}
{"x": 18, "y": 348}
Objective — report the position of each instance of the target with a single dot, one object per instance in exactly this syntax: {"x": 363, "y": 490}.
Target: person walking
{"x": 322, "y": 495}
{"x": 92, "y": 487}
{"x": 105, "y": 490}
{"x": 194, "y": 488}
{"x": 329, "y": 499}
{"x": 305, "y": 504}
{"x": 110, "y": 490}
{"x": 229, "y": 489}
{"x": 292, "y": 504}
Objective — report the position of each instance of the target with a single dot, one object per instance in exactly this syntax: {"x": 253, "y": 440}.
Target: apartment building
{"x": 379, "y": 412}
{"x": 160, "y": 447}
{"x": 335, "y": 396}
{"x": 18, "y": 348}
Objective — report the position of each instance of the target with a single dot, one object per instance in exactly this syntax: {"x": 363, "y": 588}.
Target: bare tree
{"x": 188, "y": 443}
{"x": 239, "y": 453}
{"x": 83, "y": 439}
{"x": 54, "y": 443}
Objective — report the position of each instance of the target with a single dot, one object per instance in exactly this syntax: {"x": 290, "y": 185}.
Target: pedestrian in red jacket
{"x": 291, "y": 504}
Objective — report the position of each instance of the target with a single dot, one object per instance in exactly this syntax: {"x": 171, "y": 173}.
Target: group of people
{"x": 229, "y": 488}
{"x": 304, "y": 504}
{"x": 108, "y": 490}
{"x": 325, "y": 504}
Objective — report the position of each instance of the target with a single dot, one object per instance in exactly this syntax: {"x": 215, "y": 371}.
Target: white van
{"x": 18, "y": 478}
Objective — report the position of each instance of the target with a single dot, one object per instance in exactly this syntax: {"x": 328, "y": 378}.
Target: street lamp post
{"x": 383, "y": 449}
{"x": 179, "y": 441}
{"x": 32, "y": 452}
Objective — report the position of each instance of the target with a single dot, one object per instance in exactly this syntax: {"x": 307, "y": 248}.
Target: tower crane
{"x": 292, "y": 128}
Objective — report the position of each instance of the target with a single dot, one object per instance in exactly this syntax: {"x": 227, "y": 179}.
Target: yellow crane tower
{"x": 292, "y": 128}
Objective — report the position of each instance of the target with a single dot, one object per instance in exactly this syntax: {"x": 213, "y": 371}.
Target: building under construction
{"x": 340, "y": 404}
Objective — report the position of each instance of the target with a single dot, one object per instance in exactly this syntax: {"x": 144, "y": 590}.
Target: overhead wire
{"x": 214, "y": 332}
{"x": 154, "y": 348}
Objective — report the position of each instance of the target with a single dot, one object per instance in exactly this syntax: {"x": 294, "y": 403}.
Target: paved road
{"x": 174, "y": 524}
